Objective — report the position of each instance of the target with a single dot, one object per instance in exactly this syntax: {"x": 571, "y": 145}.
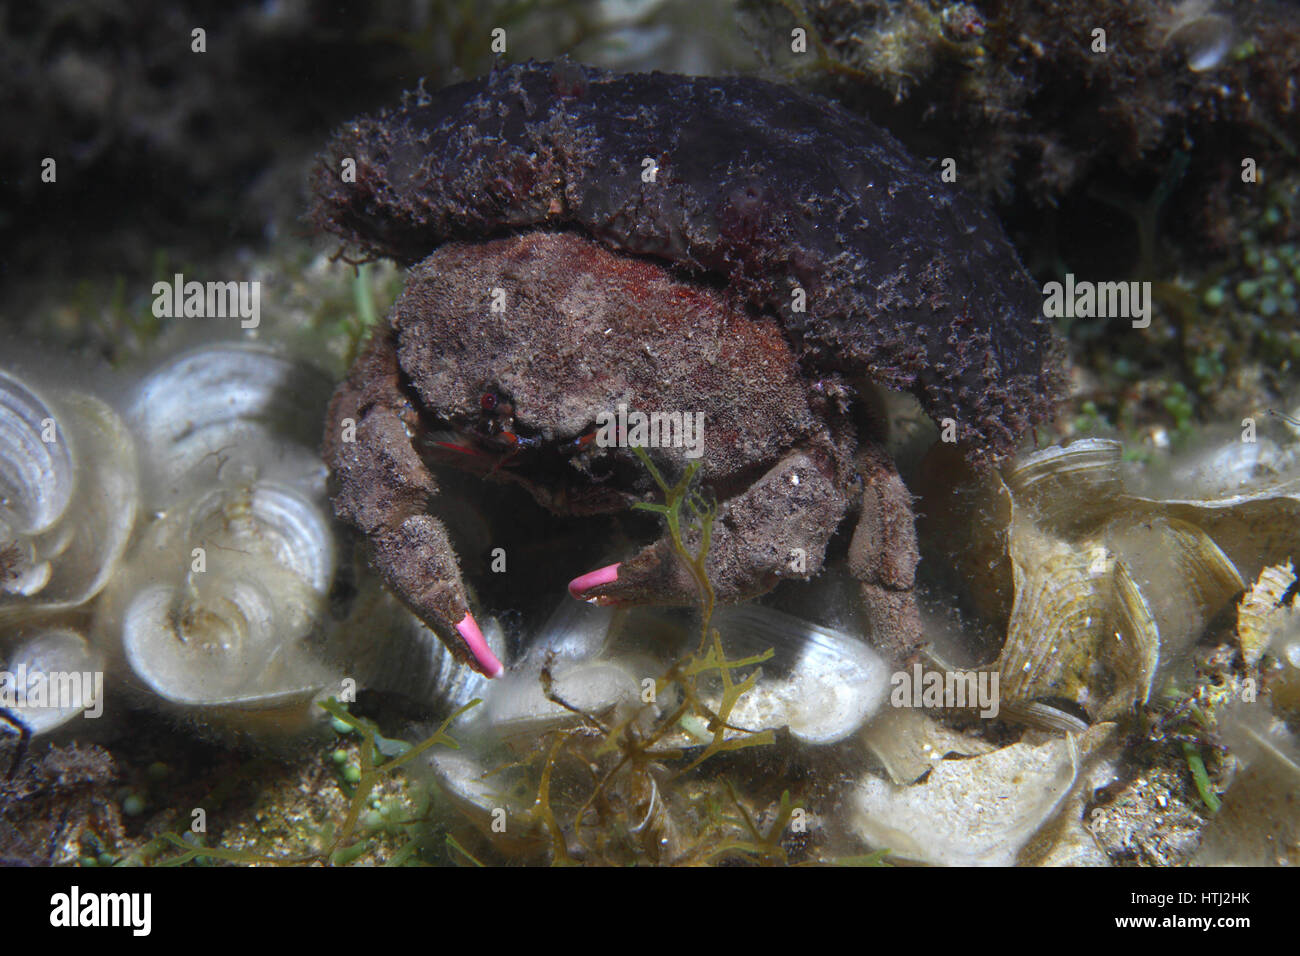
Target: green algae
{"x": 1196, "y": 764}
{"x": 635, "y": 794}
{"x": 379, "y": 757}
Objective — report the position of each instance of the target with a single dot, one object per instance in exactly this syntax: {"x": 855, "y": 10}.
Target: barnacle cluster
{"x": 177, "y": 545}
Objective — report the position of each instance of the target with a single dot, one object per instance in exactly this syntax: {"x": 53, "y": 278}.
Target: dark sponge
{"x": 908, "y": 280}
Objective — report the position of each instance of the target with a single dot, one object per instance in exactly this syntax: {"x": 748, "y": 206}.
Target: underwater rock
{"x": 68, "y": 497}
{"x": 908, "y": 280}
{"x": 60, "y": 796}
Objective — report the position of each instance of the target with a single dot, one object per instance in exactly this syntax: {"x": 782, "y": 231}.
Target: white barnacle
{"x": 1203, "y": 36}
{"x": 68, "y": 497}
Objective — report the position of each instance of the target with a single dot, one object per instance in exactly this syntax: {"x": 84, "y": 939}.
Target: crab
{"x": 703, "y": 245}
{"x": 524, "y": 358}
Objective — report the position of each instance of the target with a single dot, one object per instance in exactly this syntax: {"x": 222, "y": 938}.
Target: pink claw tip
{"x": 593, "y": 579}
{"x": 485, "y": 662}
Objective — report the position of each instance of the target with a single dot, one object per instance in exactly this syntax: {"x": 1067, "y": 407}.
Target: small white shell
{"x": 399, "y": 654}
{"x": 228, "y": 411}
{"x": 53, "y": 677}
{"x": 909, "y": 742}
{"x": 222, "y": 598}
{"x": 1111, "y": 590}
{"x": 1231, "y": 467}
{"x": 1095, "y": 617}
{"x": 821, "y": 683}
{"x": 1065, "y": 488}
{"x": 1204, "y": 38}
{"x": 1254, "y": 529}
{"x": 569, "y": 643}
{"x": 68, "y": 498}
{"x": 980, "y": 811}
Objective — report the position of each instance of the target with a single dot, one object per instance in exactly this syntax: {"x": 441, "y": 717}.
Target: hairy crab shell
{"x": 68, "y": 497}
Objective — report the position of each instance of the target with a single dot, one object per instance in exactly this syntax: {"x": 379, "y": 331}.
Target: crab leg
{"x": 383, "y": 487}
{"x": 883, "y": 556}
{"x": 775, "y": 529}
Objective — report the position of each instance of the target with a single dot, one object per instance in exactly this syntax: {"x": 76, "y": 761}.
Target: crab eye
{"x": 487, "y": 401}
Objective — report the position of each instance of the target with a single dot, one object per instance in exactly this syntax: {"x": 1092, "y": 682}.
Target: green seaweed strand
{"x": 1201, "y": 777}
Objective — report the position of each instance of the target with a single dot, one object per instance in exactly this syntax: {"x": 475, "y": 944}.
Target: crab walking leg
{"x": 883, "y": 556}
{"x": 383, "y": 489}
{"x": 775, "y": 529}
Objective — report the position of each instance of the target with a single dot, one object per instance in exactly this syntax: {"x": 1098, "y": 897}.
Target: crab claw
{"x": 653, "y": 575}
{"x": 383, "y": 488}
{"x": 775, "y": 529}
{"x": 417, "y": 561}
{"x": 593, "y": 579}
{"x": 481, "y": 657}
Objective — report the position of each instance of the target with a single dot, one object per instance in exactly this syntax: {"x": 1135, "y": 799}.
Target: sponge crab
{"x": 676, "y": 246}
